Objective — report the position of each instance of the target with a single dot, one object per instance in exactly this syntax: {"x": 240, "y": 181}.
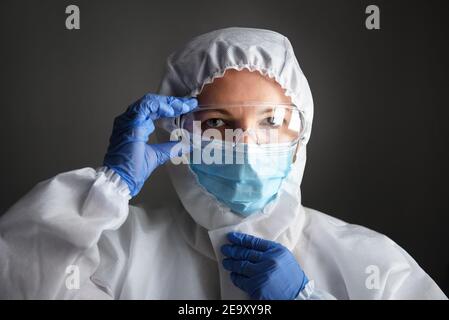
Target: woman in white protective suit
{"x": 234, "y": 230}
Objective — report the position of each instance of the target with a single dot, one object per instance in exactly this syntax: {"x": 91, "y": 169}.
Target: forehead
{"x": 239, "y": 86}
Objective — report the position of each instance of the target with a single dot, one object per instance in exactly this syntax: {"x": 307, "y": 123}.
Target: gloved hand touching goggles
{"x": 248, "y": 122}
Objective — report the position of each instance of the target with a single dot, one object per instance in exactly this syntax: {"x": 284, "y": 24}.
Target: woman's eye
{"x": 214, "y": 123}
{"x": 271, "y": 121}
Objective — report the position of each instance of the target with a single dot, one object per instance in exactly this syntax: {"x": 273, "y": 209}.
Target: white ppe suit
{"x": 76, "y": 236}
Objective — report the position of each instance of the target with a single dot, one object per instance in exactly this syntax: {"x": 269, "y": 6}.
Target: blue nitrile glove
{"x": 128, "y": 154}
{"x": 264, "y": 269}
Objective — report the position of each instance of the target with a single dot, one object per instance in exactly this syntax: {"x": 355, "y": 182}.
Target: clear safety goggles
{"x": 249, "y": 122}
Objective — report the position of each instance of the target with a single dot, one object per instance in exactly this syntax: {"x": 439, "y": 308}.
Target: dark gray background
{"x": 379, "y": 149}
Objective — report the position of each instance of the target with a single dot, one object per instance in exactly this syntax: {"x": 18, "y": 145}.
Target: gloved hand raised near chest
{"x": 266, "y": 270}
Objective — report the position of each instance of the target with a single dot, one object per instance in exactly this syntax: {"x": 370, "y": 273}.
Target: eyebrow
{"x": 222, "y": 111}
{"x": 226, "y": 112}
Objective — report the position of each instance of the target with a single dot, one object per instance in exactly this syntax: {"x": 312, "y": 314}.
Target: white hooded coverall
{"x": 79, "y": 224}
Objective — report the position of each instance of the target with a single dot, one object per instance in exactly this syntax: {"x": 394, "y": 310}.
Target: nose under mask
{"x": 245, "y": 178}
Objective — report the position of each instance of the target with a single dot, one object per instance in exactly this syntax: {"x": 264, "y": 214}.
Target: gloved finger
{"x": 181, "y": 105}
{"x": 240, "y": 253}
{"x": 250, "y": 242}
{"x": 243, "y": 267}
{"x": 167, "y": 150}
{"x": 153, "y": 106}
{"x": 240, "y": 281}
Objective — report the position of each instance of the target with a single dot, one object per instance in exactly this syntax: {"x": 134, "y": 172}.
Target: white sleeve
{"x": 311, "y": 293}
{"x": 48, "y": 239}
{"x": 408, "y": 281}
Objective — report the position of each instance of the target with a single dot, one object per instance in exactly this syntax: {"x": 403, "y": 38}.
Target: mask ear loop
{"x": 178, "y": 127}
{"x": 303, "y": 126}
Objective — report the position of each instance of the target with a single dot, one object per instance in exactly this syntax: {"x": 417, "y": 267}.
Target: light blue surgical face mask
{"x": 253, "y": 178}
